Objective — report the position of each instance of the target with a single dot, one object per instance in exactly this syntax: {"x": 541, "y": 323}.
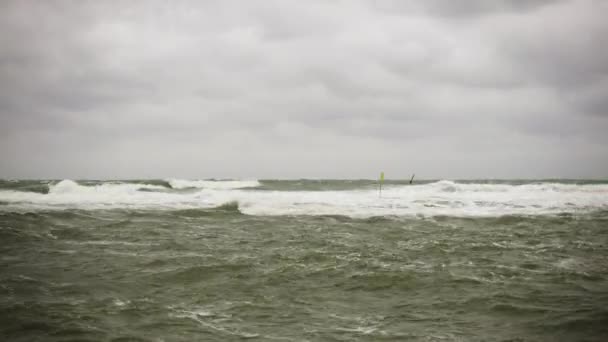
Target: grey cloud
{"x": 463, "y": 9}
{"x": 567, "y": 50}
{"x": 591, "y": 99}
{"x": 288, "y": 88}
{"x": 479, "y": 7}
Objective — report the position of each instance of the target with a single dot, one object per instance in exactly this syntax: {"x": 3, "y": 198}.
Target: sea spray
{"x": 444, "y": 197}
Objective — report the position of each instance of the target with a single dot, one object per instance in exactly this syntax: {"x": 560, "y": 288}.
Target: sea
{"x": 303, "y": 260}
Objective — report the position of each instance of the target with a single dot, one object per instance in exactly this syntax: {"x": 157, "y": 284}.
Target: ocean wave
{"x": 70, "y": 186}
{"x": 213, "y": 184}
{"x": 442, "y": 198}
{"x": 451, "y": 186}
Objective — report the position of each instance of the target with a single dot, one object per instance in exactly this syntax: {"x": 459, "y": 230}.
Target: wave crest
{"x": 442, "y": 198}
{"x": 67, "y": 186}
{"x": 213, "y": 184}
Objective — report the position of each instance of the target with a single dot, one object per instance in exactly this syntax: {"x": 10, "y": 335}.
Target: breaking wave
{"x": 67, "y": 186}
{"x": 442, "y": 198}
{"x": 212, "y": 184}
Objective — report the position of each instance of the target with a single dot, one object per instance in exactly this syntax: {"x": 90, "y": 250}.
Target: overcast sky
{"x": 289, "y": 89}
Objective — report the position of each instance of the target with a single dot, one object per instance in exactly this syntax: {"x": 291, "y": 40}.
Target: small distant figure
{"x": 412, "y": 179}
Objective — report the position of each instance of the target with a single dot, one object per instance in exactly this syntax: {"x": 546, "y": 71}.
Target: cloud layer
{"x": 331, "y": 89}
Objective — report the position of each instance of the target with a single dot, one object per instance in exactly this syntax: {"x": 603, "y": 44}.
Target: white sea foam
{"x": 212, "y": 184}
{"x": 69, "y": 194}
{"x": 67, "y": 186}
{"x": 439, "y": 198}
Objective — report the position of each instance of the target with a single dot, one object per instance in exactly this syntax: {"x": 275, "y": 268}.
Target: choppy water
{"x": 176, "y": 260}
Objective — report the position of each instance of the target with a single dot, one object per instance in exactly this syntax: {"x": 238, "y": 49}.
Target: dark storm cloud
{"x": 296, "y": 89}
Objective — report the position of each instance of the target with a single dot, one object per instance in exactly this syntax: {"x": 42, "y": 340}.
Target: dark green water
{"x": 139, "y": 273}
